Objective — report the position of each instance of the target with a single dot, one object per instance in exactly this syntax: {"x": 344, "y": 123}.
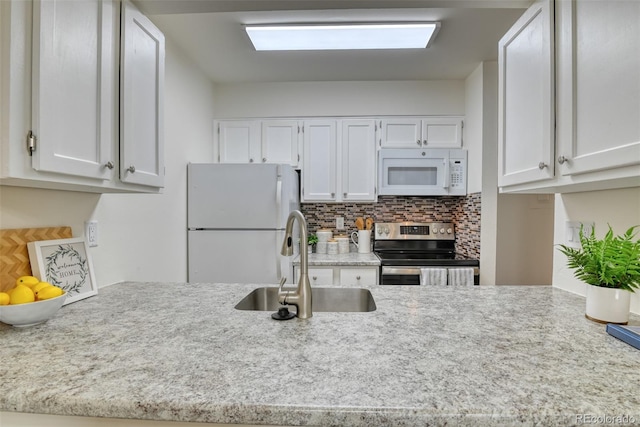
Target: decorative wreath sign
{"x": 65, "y": 263}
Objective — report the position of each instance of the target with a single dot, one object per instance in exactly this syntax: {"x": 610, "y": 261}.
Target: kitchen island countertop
{"x": 427, "y": 356}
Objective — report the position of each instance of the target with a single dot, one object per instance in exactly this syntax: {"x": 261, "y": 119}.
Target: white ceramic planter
{"x": 607, "y": 305}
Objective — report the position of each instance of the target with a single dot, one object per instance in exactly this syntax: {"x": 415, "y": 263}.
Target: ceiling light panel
{"x": 414, "y": 35}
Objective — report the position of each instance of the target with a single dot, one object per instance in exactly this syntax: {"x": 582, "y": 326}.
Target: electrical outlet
{"x": 339, "y": 223}
{"x": 91, "y": 232}
{"x": 572, "y": 230}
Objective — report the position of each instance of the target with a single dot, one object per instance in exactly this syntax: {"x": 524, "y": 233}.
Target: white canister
{"x": 324, "y": 235}
{"x": 343, "y": 244}
{"x": 362, "y": 239}
{"x": 321, "y": 247}
{"x": 332, "y": 247}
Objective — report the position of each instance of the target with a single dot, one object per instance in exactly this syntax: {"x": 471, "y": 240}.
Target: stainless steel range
{"x": 406, "y": 248}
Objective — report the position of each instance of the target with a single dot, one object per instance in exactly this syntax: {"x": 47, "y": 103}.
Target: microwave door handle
{"x": 445, "y": 184}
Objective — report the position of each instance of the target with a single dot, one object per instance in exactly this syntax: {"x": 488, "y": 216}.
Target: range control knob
{"x": 386, "y": 230}
{"x": 435, "y": 230}
{"x": 379, "y": 230}
{"x": 449, "y": 231}
{"x": 442, "y": 231}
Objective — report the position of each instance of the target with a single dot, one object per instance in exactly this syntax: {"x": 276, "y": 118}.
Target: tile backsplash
{"x": 464, "y": 212}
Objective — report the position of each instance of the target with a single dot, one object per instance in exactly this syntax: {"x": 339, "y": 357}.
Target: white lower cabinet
{"x": 61, "y": 128}
{"x": 346, "y": 276}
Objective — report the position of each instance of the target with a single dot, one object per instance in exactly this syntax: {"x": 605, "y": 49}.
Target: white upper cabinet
{"x": 319, "y": 161}
{"x": 339, "y": 161}
{"x": 280, "y": 142}
{"x": 526, "y": 98}
{"x": 259, "y": 141}
{"x": 358, "y": 176}
{"x": 238, "y": 141}
{"x": 72, "y": 86}
{"x": 588, "y": 137}
{"x": 415, "y": 132}
{"x": 61, "y": 127}
{"x": 142, "y": 57}
{"x": 400, "y": 133}
{"x": 598, "y": 85}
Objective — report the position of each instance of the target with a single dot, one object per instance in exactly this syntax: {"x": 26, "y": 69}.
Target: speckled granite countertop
{"x": 427, "y": 356}
{"x": 354, "y": 259}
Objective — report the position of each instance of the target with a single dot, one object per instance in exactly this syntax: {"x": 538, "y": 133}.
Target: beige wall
{"x": 524, "y": 247}
{"x": 141, "y": 237}
{"x": 304, "y": 99}
{"x": 618, "y": 208}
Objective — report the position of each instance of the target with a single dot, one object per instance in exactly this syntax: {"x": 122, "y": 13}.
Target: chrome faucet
{"x": 301, "y": 297}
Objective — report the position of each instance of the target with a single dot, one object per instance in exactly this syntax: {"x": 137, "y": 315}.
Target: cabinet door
{"x": 526, "y": 98}
{"x": 239, "y": 141}
{"x": 598, "y": 85}
{"x": 141, "y": 100}
{"x": 358, "y": 276}
{"x": 401, "y": 133}
{"x": 358, "y": 160}
{"x": 442, "y": 132}
{"x": 73, "y": 79}
{"x": 280, "y": 142}
{"x": 319, "y": 161}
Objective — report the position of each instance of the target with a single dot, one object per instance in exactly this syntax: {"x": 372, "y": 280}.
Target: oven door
{"x": 399, "y": 275}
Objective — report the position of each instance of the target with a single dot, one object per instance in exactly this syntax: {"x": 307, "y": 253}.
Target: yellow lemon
{"x": 48, "y": 292}
{"x": 29, "y": 281}
{"x": 4, "y": 298}
{"x": 22, "y": 294}
{"x": 40, "y": 285}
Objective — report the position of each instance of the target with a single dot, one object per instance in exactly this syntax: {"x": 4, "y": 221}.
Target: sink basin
{"x": 323, "y": 300}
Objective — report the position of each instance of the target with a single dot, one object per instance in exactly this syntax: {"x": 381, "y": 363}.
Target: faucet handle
{"x": 282, "y": 280}
{"x": 282, "y": 295}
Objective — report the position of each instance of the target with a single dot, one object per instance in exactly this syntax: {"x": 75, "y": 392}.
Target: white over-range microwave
{"x": 422, "y": 172}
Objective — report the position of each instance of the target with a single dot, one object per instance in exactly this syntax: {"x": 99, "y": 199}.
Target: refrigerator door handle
{"x": 278, "y": 260}
{"x": 279, "y": 223}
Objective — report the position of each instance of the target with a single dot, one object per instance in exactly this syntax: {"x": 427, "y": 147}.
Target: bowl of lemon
{"x": 30, "y": 302}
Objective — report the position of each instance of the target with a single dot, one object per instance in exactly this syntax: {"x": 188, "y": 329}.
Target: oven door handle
{"x": 401, "y": 271}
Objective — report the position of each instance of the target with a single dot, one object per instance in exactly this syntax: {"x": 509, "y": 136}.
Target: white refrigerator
{"x": 236, "y": 216}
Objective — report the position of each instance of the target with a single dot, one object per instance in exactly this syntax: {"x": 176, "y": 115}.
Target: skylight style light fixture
{"x": 392, "y": 35}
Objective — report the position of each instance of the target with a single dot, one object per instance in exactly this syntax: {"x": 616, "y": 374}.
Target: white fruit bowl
{"x": 32, "y": 313}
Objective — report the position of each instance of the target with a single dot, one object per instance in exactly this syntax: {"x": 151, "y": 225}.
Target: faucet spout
{"x": 301, "y": 297}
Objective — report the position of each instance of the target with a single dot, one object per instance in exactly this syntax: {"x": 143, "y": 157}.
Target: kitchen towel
{"x": 461, "y": 276}
{"x": 433, "y": 276}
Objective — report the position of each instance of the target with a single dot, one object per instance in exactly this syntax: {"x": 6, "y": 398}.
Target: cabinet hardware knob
{"x": 333, "y": 194}
{"x": 344, "y": 195}
{"x": 315, "y": 277}
{"x": 264, "y": 159}
{"x": 250, "y": 160}
{"x": 542, "y": 165}
{"x": 109, "y": 165}
{"x": 424, "y": 142}
{"x": 419, "y": 143}
{"x": 357, "y": 277}
{"x": 131, "y": 169}
{"x": 562, "y": 160}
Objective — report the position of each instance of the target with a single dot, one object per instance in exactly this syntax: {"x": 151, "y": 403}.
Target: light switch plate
{"x": 339, "y": 223}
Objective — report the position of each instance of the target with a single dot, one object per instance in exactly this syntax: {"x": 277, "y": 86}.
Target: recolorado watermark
{"x": 606, "y": 419}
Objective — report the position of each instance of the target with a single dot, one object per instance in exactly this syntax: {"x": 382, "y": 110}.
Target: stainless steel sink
{"x": 323, "y": 299}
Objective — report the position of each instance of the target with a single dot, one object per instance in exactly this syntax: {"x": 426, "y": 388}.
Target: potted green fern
{"x": 611, "y": 266}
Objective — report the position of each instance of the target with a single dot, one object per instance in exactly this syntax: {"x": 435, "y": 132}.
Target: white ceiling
{"x": 211, "y": 33}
